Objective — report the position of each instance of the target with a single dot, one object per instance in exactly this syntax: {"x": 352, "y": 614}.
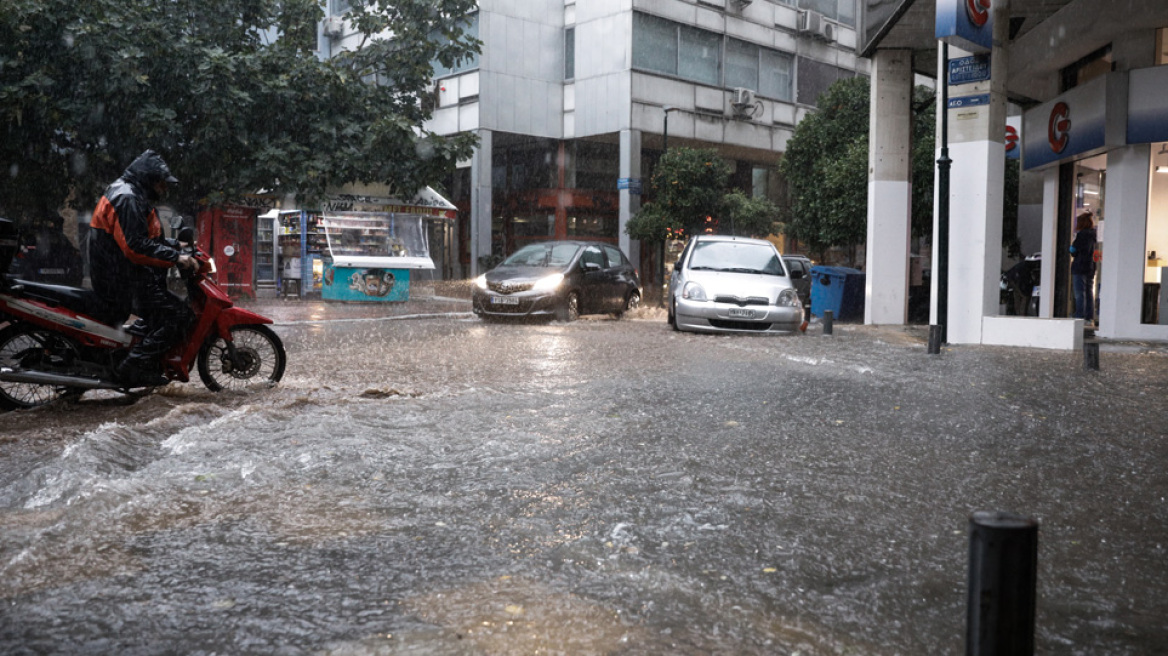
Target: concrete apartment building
{"x": 573, "y": 102}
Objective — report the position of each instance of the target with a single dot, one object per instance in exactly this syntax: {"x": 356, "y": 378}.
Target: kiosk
{"x": 372, "y": 255}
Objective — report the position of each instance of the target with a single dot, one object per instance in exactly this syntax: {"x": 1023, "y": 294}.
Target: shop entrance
{"x": 1085, "y": 185}
{"x": 1154, "y": 309}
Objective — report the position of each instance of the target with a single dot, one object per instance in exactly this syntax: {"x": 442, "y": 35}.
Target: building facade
{"x": 573, "y": 101}
{"x": 1087, "y": 80}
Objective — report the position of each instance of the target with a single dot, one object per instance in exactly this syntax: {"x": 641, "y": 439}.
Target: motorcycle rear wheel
{"x": 260, "y": 351}
{"x": 22, "y": 346}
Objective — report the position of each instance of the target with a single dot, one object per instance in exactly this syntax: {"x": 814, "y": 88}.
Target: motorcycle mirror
{"x": 187, "y": 235}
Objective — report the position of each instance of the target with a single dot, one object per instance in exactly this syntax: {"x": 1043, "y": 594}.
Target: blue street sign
{"x": 632, "y": 184}
{"x": 965, "y": 70}
{"x": 969, "y": 101}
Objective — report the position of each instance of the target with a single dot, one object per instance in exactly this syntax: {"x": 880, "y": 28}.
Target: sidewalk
{"x": 426, "y": 298}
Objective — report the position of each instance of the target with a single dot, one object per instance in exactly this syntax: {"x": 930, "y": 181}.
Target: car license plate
{"x": 504, "y": 300}
{"x": 741, "y": 313}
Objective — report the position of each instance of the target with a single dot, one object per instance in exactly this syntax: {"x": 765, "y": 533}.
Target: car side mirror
{"x": 796, "y": 275}
{"x": 591, "y": 266}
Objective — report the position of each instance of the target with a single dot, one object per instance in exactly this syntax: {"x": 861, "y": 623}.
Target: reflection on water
{"x": 420, "y": 487}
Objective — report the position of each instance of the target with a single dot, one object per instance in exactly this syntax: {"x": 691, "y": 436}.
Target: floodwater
{"x": 448, "y": 486}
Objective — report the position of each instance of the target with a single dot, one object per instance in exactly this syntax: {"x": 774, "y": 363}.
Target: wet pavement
{"x": 426, "y": 483}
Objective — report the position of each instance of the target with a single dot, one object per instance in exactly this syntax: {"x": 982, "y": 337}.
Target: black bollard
{"x": 1003, "y": 573}
{"x": 934, "y": 339}
{"x": 1091, "y": 356}
{"x": 828, "y": 317}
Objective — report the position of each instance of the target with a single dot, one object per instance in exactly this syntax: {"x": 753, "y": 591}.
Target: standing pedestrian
{"x": 1083, "y": 267}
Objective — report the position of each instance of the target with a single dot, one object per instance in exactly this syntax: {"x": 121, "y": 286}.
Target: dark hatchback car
{"x": 560, "y": 280}
{"x": 799, "y": 268}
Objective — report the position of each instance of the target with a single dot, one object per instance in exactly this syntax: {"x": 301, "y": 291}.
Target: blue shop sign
{"x": 965, "y": 70}
{"x": 969, "y": 101}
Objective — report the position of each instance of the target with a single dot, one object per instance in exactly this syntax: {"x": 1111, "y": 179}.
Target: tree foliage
{"x": 691, "y": 195}
{"x": 826, "y": 168}
{"x": 87, "y": 86}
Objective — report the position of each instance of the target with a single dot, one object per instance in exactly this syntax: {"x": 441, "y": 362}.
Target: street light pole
{"x": 944, "y": 164}
{"x": 661, "y": 248}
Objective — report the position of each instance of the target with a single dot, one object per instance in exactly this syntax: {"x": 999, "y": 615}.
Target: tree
{"x": 86, "y": 86}
{"x": 690, "y": 195}
{"x": 826, "y": 168}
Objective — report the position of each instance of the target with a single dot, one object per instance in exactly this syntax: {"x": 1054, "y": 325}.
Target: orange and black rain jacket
{"x": 126, "y": 247}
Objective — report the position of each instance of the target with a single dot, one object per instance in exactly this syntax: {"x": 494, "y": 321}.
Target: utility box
{"x": 839, "y": 289}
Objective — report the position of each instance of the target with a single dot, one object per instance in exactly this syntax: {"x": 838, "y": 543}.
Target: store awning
{"x": 427, "y": 203}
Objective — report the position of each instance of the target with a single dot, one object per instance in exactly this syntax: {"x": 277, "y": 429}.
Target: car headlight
{"x": 789, "y": 298}
{"x": 548, "y": 283}
{"x": 481, "y": 281}
{"x": 693, "y": 292}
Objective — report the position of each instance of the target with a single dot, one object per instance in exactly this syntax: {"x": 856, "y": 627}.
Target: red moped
{"x": 62, "y": 341}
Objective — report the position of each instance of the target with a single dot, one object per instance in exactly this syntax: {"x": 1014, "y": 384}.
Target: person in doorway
{"x": 129, "y": 259}
{"x": 1083, "y": 267}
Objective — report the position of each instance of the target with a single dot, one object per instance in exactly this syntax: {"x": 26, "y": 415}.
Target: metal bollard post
{"x": 1003, "y": 569}
{"x": 828, "y": 317}
{"x": 1091, "y": 356}
{"x": 934, "y": 339}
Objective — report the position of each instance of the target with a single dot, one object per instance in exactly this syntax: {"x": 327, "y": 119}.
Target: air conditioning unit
{"x": 810, "y": 22}
{"x": 333, "y": 26}
{"x": 742, "y": 100}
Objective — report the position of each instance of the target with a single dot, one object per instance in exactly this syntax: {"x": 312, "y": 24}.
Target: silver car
{"x": 732, "y": 284}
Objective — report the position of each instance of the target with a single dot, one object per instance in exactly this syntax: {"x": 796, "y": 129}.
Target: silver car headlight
{"x": 548, "y": 283}
{"x": 789, "y": 298}
{"x": 481, "y": 281}
{"x": 693, "y": 292}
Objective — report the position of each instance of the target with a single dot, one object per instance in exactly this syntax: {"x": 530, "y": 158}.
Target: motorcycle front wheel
{"x": 25, "y": 347}
{"x": 260, "y": 355}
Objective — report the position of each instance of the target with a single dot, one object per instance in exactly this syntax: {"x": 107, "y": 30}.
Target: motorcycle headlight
{"x": 693, "y": 291}
{"x": 548, "y": 283}
{"x": 211, "y": 263}
{"x": 481, "y": 281}
{"x": 788, "y": 298}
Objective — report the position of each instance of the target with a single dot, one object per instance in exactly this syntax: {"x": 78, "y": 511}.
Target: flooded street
{"x": 441, "y": 485}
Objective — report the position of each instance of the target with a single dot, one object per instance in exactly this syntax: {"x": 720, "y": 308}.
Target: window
{"x": 615, "y": 257}
{"x": 742, "y": 64}
{"x": 843, "y": 11}
{"x": 654, "y": 44}
{"x": 662, "y": 46}
{"x": 471, "y": 27}
{"x": 570, "y": 53}
{"x": 699, "y": 55}
{"x": 592, "y": 255}
{"x": 764, "y": 70}
{"x": 775, "y": 80}
{"x": 341, "y": 6}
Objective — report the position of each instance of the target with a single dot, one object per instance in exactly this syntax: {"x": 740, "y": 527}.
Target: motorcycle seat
{"x": 81, "y": 301}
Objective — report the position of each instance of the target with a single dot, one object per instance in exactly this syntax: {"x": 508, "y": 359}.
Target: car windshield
{"x": 737, "y": 257}
{"x": 542, "y": 255}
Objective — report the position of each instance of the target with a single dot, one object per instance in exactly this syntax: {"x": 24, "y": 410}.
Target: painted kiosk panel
{"x": 373, "y": 255}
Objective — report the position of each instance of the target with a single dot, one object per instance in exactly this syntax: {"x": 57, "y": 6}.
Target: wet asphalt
{"x": 423, "y": 482}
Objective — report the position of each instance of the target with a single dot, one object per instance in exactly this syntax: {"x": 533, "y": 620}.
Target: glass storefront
{"x": 544, "y": 189}
{"x": 1155, "y": 296}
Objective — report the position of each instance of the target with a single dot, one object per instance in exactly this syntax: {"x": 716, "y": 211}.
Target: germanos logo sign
{"x": 1058, "y": 130}
{"x": 978, "y": 11}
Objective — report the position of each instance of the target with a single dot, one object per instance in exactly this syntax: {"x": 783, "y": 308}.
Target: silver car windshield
{"x": 736, "y": 257}
{"x": 542, "y": 255}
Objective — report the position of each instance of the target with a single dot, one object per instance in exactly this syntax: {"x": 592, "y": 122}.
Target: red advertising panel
{"x": 228, "y": 234}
